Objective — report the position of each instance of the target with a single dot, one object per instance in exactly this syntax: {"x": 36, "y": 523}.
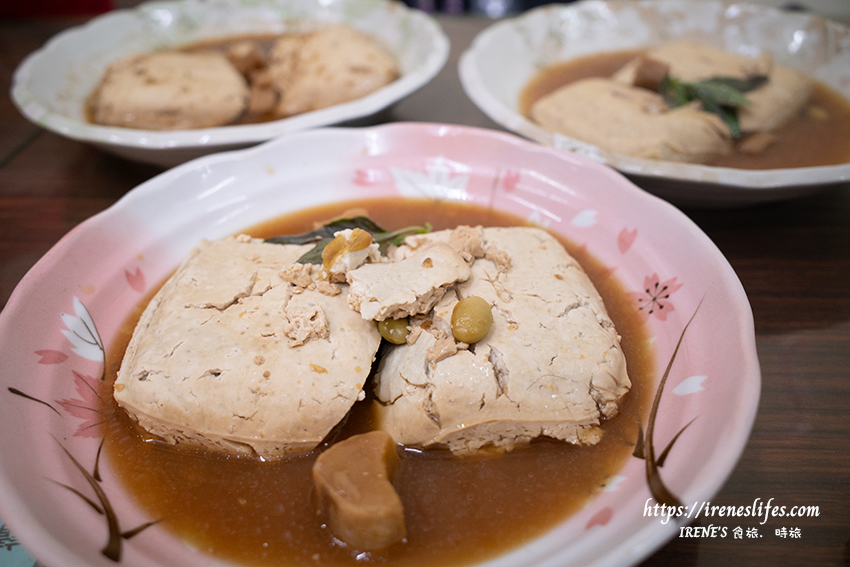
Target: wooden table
{"x": 793, "y": 259}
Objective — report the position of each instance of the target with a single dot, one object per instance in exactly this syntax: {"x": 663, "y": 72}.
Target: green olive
{"x": 394, "y": 330}
{"x": 471, "y": 319}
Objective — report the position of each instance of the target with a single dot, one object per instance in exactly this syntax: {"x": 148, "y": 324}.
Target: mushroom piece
{"x": 355, "y": 494}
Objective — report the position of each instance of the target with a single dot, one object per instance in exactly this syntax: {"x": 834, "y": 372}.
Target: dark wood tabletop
{"x": 792, "y": 257}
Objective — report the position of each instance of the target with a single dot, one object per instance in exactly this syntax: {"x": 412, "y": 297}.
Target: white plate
{"x": 504, "y": 57}
{"x": 75, "y": 299}
{"x": 51, "y": 86}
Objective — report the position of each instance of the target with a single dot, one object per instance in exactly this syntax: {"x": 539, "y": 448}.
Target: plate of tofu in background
{"x": 401, "y": 344}
{"x": 704, "y": 103}
{"x": 165, "y": 82}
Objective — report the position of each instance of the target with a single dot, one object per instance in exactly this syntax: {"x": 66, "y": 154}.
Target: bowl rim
{"x": 644, "y": 541}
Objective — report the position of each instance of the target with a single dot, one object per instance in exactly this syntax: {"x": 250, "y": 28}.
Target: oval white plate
{"x": 52, "y": 84}
{"x": 72, "y": 302}
{"x": 505, "y": 56}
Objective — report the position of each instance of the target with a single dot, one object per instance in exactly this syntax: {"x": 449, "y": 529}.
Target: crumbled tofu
{"x": 299, "y": 275}
{"x": 467, "y": 241}
{"x": 304, "y": 322}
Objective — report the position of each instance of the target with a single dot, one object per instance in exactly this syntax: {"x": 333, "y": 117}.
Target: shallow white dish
{"x": 71, "y": 304}
{"x": 52, "y": 84}
{"x": 504, "y": 57}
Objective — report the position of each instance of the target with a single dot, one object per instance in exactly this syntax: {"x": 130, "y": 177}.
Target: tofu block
{"x": 632, "y": 121}
{"x": 231, "y": 357}
{"x": 354, "y": 489}
{"x": 170, "y": 91}
{"x": 551, "y": 364}
{"x": 410, "y": 286}
{"x": 330, "y": 66}
{"x": 644, "y": 72}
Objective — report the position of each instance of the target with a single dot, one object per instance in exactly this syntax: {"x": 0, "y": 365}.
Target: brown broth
{"x": 458, "y": 510}
{"x": 818, "y": 135}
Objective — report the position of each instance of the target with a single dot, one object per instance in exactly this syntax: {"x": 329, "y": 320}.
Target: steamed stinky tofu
{"x": 170, "y": 91}
{"x": 551, "y": 364}
{"x": 771, "y": 104}
{"x": 632, "y": 121}
{"x": 232, "y": 356}
{"x": 329, "y": 66}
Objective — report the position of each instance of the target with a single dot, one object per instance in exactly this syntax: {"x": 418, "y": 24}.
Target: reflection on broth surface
{"x": 458, "y": 510}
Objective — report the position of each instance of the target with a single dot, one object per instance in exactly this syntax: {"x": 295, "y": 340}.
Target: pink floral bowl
{"x": 64, "y": 502}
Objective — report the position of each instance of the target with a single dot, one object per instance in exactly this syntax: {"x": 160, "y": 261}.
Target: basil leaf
{"x": 327, "y": 231}
{"x": 719, "y": 95}
{"x": 675, "y": 92}
{"x": 728, "y": 114}
{"x": 314, "y": 254}
{"x": 743, "y": 85}
{"x": 322, "y": 236}
{"x": 397, "y": 237}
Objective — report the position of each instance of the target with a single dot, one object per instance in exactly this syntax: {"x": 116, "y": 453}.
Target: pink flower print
{"x": 625, "y": 239}
{"x": 510, "y": 180}
{"x": 366, "y": 177}
{"x": 655, "y": 298}
{"x": 601, "y": 518}
{"x": 51, "y": 356}
{"x": 87, "y": 407}
{"x": 136, "y": 280}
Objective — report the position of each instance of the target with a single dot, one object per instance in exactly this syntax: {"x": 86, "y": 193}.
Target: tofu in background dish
{"x": 330, "y": 66}
{"x": 625, "y": 113}
{"x": 771, "y": 105}
{"x": 170, "y": 91}
{"x": 632, "y": 121}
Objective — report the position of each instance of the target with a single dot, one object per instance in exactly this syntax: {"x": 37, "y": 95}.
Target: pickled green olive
{"x": 471, "y": 319}
{"x": 394, "y": 330}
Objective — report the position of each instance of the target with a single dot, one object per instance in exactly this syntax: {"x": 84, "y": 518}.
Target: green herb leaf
{"x": 676, "y": 93}
{"x": 327, "y": 231}
{"x": 322, "y": 236}
{"x": 728, "y": 114}
{"x": 397, "y": 237}
{"x": 742, "y": 85}
{"x": 719, "y": 95}
{"x": 314, "y": 255}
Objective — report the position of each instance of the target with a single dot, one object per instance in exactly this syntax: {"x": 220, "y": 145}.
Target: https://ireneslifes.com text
{"x": 760, "y": 510}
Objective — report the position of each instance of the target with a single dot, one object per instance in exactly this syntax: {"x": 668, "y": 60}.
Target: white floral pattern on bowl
{"x": 504, "y": 57}
{"x": 63, "y": 501}
{"x": 51, "y": 86}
